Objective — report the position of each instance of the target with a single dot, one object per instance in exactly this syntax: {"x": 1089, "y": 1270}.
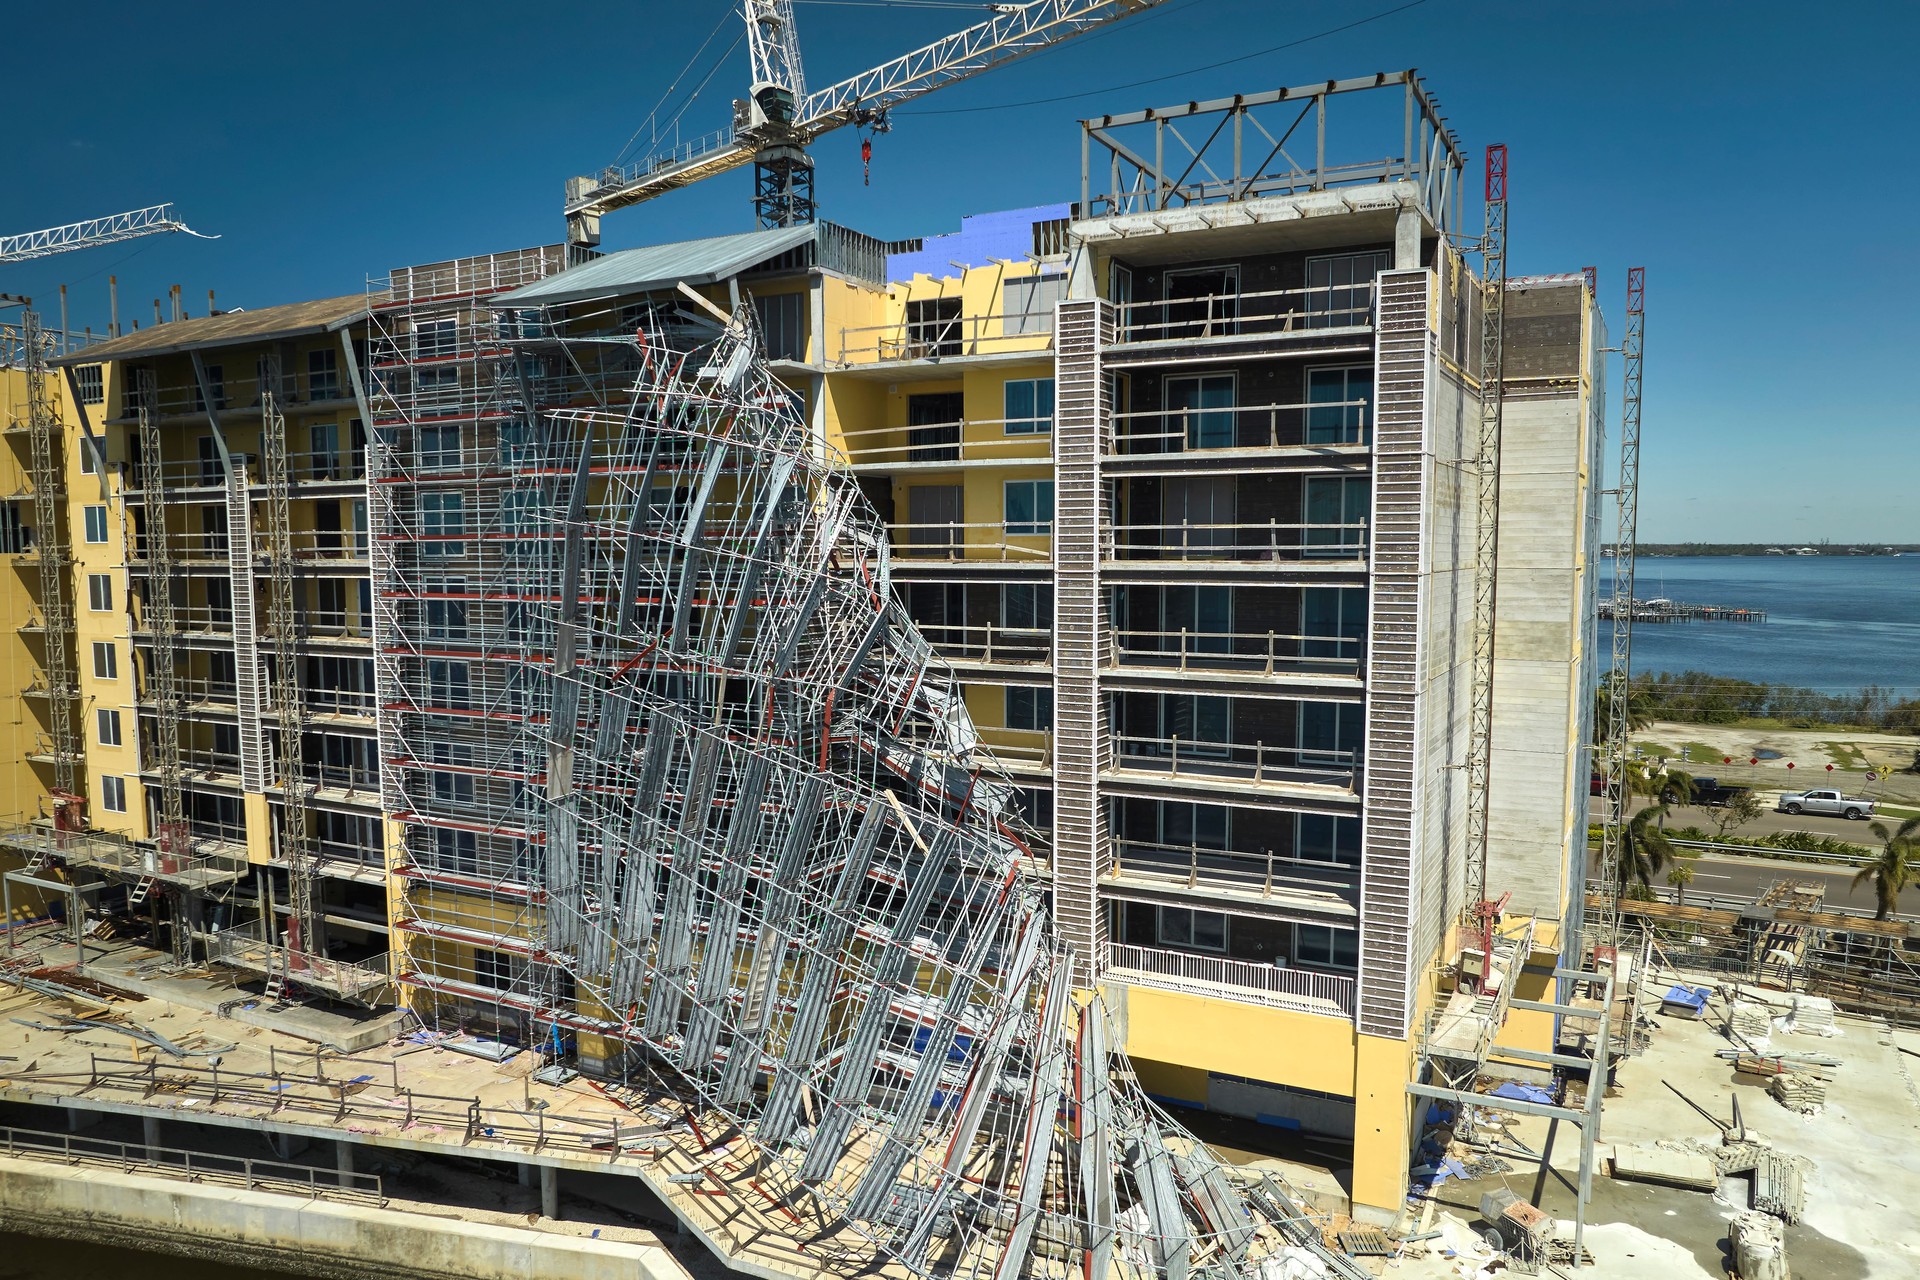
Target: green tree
{"x": 1645, "y": 851}
{"x": 1895, "y": 865}
{"x": 1636, "y": 698}
{"x": 1742, "y": 807}
{"x": 1680, "y": 875}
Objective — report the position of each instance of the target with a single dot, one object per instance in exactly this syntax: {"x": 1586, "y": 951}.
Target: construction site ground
{"x": 1860, "y": 1189}
{"x": 1704, "y": 748}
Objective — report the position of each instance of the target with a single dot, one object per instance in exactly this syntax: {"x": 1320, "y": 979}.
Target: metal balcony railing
{"x": 1251, "y": 761}
{"x": 975, "y": 540}
{"x": 1260, "y": 873}
{"x": 945, "y": 337}
{"x": 1245, "y": 426}
{"x": 108, "y": 851}
{"x": 239, "y": 949}
{"x": 1242, "y": 313}
{"x": 1242, "y": 652}
{"x": 989, "y": 642}
{"x": 936, "y": 443}
{"x": 1302, "y": 990}
{"x": 1268, "y": 542}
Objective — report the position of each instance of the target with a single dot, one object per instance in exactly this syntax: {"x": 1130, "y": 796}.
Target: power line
{"x": 1172, "y": 75}
{"x": 727, "y": 14}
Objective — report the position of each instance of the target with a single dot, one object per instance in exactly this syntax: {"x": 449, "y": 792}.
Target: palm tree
{"x": 1896, "y": 866}
{"x": 1638, "y": 704}
{"x": 1680, "y": 875}
{"x": 1644, "y": 851}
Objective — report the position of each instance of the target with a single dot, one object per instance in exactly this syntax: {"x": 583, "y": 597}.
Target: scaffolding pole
{"x": 1620, "y": 672}
{"x": 171, "y": 835}
{"x": 296, "y": 847}
{"x": 49, "y": 492}
{"x": 1487, "y": 539}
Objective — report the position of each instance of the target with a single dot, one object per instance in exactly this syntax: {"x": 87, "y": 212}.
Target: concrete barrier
{"x": 311, "y": 1237}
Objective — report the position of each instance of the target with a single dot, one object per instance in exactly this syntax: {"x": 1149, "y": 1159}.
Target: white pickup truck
{"x": 1833, "y": 803}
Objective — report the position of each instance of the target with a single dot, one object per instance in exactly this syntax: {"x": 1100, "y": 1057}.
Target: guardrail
{"x": 1771, "y": 854}
{"x": 193, "y": 1166}
{"x": 1301, "y": 989}
{"x": 1255, "y": 761}
{"x": 1191, "y": 430}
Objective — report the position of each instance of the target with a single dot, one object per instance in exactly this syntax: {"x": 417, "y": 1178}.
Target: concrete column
{"x": 150, "y": 1131}
{"x": 526, "y": 1175}
{"x": 343, "y": 1161}
{"x": 288, "y": 1145}
{"x": 1406, "y": 240}
{"x": 79, "y": 1118}
{"x": 549, "y": 1192}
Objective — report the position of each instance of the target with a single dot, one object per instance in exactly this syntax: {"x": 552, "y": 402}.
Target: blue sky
{"x": 1749, "y": 155}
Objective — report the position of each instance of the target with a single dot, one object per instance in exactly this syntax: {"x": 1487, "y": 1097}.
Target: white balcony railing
{"x": 1303, "y": 990}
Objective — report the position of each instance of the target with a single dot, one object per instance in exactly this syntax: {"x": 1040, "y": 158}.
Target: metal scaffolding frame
{"x": 680, "y": 781}
{"x": 46, "y": 467}
{"x": 1626, "y": 498}
{"x": 171, "y": 832}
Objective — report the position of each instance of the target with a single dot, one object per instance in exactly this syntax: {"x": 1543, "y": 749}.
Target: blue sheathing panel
{"x": 982, "y": 237}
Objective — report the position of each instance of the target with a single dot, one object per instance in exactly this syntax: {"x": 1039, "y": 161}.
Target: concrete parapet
{"x": 312, "y": 1237}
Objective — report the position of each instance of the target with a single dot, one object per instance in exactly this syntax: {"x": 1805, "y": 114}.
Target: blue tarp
{"x": 1523, "y": 1092}
{"x": 1694, "y": 998}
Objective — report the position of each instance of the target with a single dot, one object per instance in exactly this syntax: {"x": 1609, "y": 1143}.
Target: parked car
{"x": 1707, "y": 792}
{"x": 1832, "y": 803}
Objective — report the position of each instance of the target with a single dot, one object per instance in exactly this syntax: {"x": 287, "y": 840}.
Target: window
{"x": 113, "y": 794}
{"x": 1340, "y": 288}
{"x": 933, "y": 327}
{"x": 437, "y": 388}
{"x": 443, "y": 518}
{"x": 107, "y": 725}
{"x": 519, "y": 443}
{"x": 783, "y": 325}
{"x": 492, "y": 969}
{"x": 325, "y": 439}
{"x": 221, "y": 677}
{"x": 440, "y": 447}
{"x": 1200, "y": 411}
{"x": 520, "y": 510}
{"x": 100, "y": 592}
{"x": 432, "y": 338}
{"x": 1321, "y": 945}
{"x": 1340, "y": 404}
{"x": 446, "y": 619}
{"x": 456, "y": 850}
{"x": 449, "y": 787}
{"x": 106, "y": 661}
{"x": 1200, "y": 930}
{"x": 1200, "y": 513}
{"x": 933, "y": 426}
{"x": 96, "y": 518}
{"x": 1322, "y": 837}
{"x": 212, "y": 470}
{"x": 1029, "y": 302}
{"x": 448, "y": 686}
{"x": 89, "y": 459}
{"x": 1029, "y": 506}
{"x": 1334, "y": 621}
{"x": 1202, "y": 302}
{"x": 1330, "y": 733}
{"x": 330, "y": 604}
{"x": 323, "y": 374}
{"x": 1029, "y": 406}
{"x": 216, "y": 383}
{"x": 213, "y": 531}
{"x": 1337, "y": 510}
{"x": 1030, "y": 708}
{"x": 91, "y": 381}
{"x": 1026, "y": 606}
{"x": 219, "y": 602}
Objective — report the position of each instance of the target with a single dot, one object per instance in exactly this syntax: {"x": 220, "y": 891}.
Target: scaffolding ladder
{"x": 43, "y": 425}
{"x": 282, "y": 625}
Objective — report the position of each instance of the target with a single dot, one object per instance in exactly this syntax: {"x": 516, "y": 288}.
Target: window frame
{"x": 99, "y": 584}
{"x": 445, "y": 519}
{"x": 1035, "y": 423}
{"x": 1332, "y": 951}
{"x": 1035, "y": 526}
{"x": 110, "y": 652}
{"x": 1167, "y": 936}
{"x": 106, "y": 727}
{"x": 89, "y": 514}
{"x": 1028, "y": 703}
{"x": 113, "y": 793}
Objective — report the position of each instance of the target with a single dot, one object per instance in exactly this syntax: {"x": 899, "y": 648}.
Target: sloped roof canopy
{"x": 661, "y": 266}
{"x": 294, "y": 320}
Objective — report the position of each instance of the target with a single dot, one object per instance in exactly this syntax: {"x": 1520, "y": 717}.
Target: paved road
{"x": 1770, "y": 822}
{"x": 1747, "y": 878}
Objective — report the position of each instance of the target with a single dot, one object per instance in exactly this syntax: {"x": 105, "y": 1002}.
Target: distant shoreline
{"x": 1854, "y": 550}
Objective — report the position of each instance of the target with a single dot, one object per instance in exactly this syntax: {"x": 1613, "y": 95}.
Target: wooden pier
{"x": 1677, "y": 611}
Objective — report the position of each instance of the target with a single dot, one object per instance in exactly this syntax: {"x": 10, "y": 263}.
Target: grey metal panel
{"x": 643, "y": 270}
{"x": 669, "y": 978}
{"x": 722, "y": 951}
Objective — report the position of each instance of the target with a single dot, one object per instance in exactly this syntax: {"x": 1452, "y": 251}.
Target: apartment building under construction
{"x": 1177, "y": 478}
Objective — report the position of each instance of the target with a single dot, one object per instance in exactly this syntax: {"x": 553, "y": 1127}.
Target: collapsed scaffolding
{"x": 685, "y": 794}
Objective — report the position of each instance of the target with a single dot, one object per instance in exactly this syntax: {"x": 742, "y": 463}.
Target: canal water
{"x": 30, "y": 1258}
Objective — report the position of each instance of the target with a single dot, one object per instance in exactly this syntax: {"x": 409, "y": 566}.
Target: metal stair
{"x": 141, "y": 891}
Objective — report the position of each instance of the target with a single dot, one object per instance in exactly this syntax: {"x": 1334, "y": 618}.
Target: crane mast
{"x": 774, "y": 124}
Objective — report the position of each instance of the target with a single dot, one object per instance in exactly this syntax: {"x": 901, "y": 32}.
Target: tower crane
{"x": 775, "y": 122}
{"x": 153, "y": 220}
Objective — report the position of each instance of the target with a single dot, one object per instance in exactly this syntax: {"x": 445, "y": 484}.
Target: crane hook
{"x": 866, "y": 162}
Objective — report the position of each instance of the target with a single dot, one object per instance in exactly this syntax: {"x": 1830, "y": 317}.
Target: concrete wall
{"x": 311, "y": 1237}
